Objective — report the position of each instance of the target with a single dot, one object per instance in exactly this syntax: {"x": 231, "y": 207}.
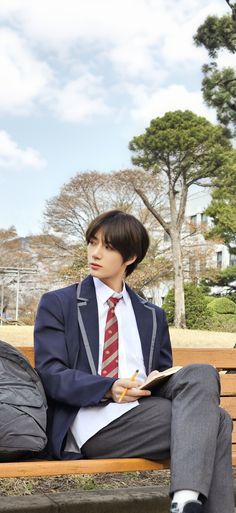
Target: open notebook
{"x": 155, "y": 377}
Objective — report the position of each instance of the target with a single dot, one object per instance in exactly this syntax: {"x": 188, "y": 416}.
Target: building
{"x": 199, "y": 253}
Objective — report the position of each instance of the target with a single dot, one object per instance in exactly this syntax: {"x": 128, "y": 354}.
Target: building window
{"x": 193, "y": 223}
{"x": 193, "y": 220}
{"x": 232, "y": 259}
{"x": 219, "y": 259}
{"x": 203, "y": 218}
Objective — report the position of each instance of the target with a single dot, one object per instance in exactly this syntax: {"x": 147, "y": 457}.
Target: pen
{"x": 126, "y": 389}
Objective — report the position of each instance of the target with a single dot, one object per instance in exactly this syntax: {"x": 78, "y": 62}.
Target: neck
{"x": 116, "y": 285}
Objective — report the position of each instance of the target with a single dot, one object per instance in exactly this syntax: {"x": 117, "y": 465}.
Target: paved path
{"x": 129, "y": 500}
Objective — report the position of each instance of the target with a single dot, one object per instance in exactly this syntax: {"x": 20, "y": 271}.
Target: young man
{"x": 89, "y": 340}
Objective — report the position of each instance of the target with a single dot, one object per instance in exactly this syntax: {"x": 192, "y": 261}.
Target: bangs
{"x": 117, "y": 233}
{"x": 114, "y": 235}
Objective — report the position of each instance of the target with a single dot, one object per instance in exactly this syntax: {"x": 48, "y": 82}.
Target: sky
{"x": 79, "y": 79}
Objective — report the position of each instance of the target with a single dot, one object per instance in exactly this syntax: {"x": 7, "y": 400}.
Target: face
{"x": 106, "y": 263}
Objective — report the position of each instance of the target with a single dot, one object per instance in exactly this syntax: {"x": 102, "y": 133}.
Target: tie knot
{"x": 112, "y": 301}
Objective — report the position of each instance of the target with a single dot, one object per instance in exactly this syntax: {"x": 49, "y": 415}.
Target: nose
{"x": 97, "y": 251}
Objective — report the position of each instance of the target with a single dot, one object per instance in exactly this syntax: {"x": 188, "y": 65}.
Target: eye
{"x": 108, "y": 246}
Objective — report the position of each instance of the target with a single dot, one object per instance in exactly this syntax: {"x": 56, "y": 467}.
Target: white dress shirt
{"x": 92, "y": 419}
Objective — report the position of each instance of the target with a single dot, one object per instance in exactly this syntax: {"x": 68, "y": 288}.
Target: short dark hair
{"x": 124, "y": 232}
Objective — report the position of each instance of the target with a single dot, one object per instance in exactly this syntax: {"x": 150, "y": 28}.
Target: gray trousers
{"x": 182, "y": 420}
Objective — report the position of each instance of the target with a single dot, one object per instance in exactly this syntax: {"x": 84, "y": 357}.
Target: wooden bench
{"x": 220, "y": 358}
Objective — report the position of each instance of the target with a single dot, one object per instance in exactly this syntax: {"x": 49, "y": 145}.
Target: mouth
{"x": 95, "y": 266}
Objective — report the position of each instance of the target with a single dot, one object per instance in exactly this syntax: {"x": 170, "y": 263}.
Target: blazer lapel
{"x": 88, "y": 310}
{"x": 147, "y": 326}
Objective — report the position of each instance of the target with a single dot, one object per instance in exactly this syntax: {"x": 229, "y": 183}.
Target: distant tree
{"x": 87, "y": 195}
{"x": 222, "y": 208}
{"x": 150, "y": 272}
{"x": 82, "y": 199}
{"x": 219, "y": 85}
{"x": 233, "y": 8}
{"x": 12, "y": 255}
{"x": 181, "y": 149}
{"x": 225, "y": 279}
{"x": 12, "y": 249}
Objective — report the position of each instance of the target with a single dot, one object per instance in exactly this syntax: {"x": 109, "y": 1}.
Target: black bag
{"x": 23, "y": 406}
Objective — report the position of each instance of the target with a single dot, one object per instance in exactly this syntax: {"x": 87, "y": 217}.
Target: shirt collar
{"x": 104, "y": 292}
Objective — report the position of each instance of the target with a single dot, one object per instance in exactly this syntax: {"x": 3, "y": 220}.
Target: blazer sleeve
{"x": 72, "y": 387}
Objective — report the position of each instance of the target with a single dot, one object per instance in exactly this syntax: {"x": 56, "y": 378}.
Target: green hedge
{"x": 203, "y": 312}
{"x": 223, "y": 322}
{"x": 209, "y": 299}
{"x": 197, "y": 314}
{"x": 222, "y": 305}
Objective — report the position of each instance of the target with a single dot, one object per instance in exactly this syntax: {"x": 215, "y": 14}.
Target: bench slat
{"x": 221, "y": 358}
{"x": 234, "y": 454}
{"x": 228, "y": 384}
{"x": 51, "y": 468}
{"x": 229, "y": 404}
{"x": 27, "y": 351}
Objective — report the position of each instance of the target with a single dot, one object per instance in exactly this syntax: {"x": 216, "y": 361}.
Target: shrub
{"x": 222, "y": 305}
{"x": 232, "y": 297}
{"x": 197, "y": 314}
{"x": 209, "y": 299}
{"x": 27, "y": 320}
{"x": 223, "y": 322}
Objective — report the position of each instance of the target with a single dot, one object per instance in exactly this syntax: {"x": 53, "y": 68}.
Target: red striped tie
{"x": 110, "y": 349}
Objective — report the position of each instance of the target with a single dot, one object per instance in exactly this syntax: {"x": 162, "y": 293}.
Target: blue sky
{"x": 79, "y": 79}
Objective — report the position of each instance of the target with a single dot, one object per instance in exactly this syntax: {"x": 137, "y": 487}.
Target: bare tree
{"x": 86, "y": 196}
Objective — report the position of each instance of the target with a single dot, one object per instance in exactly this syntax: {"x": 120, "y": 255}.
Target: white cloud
{"x": 12, "y": 156}
{"x": 23, "y": 78}
{"x": 62, "y": 22}
{"x": 26, "y": 82}
{"x": 141, "y": 43}
{"x": 173, "y": 97}
{"x": 134, "y": 36}
{"x": 135, "y": 60}
{"x": 80, "y": 99}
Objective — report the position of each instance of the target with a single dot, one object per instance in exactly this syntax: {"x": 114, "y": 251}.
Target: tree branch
{"x": 156, "y": 214}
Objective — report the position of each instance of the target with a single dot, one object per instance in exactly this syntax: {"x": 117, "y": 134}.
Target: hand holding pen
{"x": 126, "y": 389}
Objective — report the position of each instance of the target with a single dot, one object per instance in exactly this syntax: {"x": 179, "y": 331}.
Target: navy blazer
{"x": 67, "y": 349}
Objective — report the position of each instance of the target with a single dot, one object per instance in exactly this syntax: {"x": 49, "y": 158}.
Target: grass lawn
{"x": 23, "y": 335}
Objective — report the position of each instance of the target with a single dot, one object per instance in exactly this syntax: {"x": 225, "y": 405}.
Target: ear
{"x": 130, "y": 261}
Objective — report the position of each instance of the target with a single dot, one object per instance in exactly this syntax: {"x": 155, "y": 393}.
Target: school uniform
{"x": 181, "y": 418}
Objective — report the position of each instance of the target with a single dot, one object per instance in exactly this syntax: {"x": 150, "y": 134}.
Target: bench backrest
{"x": 222, "y": 359}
